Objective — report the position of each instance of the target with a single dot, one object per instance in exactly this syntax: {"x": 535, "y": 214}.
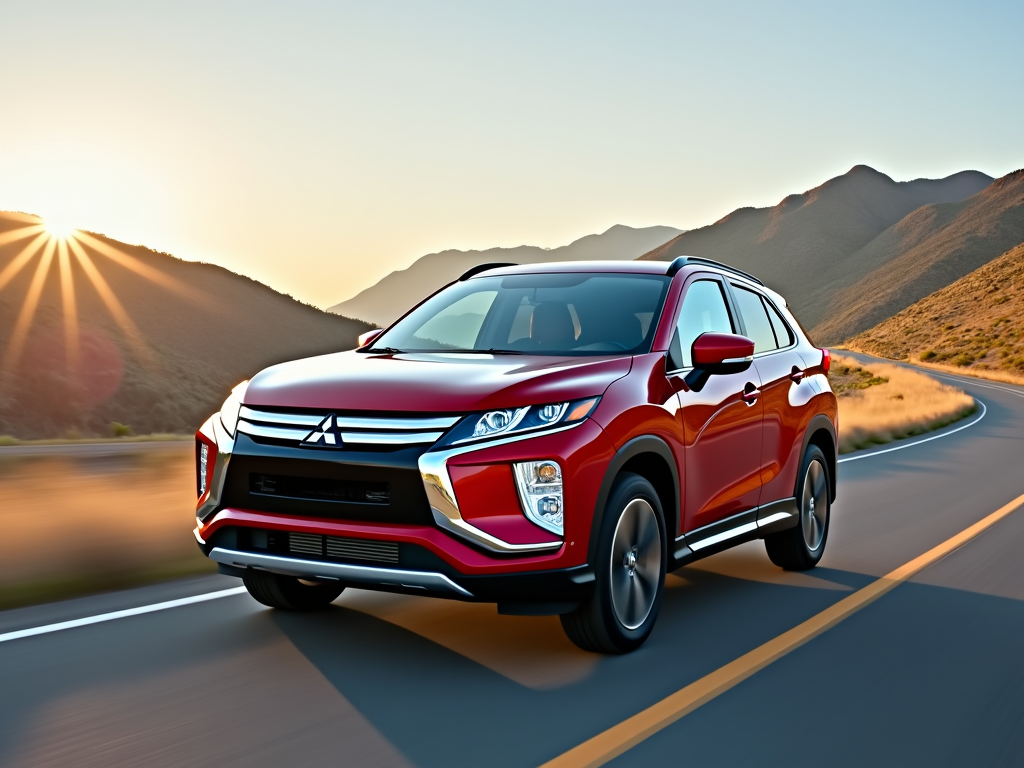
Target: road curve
{"x": 929, "y": 674}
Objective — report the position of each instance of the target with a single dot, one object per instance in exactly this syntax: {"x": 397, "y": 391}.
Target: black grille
{"x": 319, "y": 546}
{"x": 319, "y": 489}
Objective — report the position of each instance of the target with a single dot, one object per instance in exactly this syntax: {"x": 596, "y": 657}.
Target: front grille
{"x": 321, "y": 486}
{"x": 306, "y": 544}
{"x": 362, "y": 549}
{"x": 340, "y": 548}
{"x": 334, "y": 430}
{"x": 319, "y": 489}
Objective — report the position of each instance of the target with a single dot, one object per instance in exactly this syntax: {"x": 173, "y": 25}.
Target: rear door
{"x": 721, "y": 424}
{"x": 780, "y": 369}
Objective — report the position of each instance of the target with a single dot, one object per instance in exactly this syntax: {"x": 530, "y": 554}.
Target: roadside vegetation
{"x": 887, "y": 402}
{"x": 104, "y": 521}
{"x": 974, "y": 326}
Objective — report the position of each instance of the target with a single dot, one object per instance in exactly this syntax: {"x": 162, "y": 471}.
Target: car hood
{"x": 452, "y": 383}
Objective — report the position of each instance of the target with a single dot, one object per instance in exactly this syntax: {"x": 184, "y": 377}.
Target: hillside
{"x": 392, "y": 296}
{"x": 99, "y": 332}
{"x": 930, "y": 249}
{"x": 976, "y": 323}
{"x": 812, "y": 244}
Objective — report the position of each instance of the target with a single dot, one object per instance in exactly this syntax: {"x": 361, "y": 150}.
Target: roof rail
{"x": 681, "y": 261}
{"x": 484, "y": 267}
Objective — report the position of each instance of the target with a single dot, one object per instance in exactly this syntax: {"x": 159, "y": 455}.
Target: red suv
{"x": 553, "y": 438}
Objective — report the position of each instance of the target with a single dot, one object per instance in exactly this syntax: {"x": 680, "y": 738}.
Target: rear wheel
{"x": 289, "y": 593}
{"x": 630, "y": 572}
{"x": 800, "y": 548}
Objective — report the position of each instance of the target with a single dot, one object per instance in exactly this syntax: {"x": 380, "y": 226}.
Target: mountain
{"x": 975, "y": 323}
{"x": 93, "y": 331}
{"x": 812, "y": 244}
{"x": 392, "y": 296}
{"x": 928, "y": 250}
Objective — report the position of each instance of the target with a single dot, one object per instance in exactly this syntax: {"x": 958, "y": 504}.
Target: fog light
{"x": 540, "y": 493}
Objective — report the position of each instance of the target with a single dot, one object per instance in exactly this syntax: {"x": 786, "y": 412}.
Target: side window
{"x": 755, "y": 318}
{"x": 704, "y": 309}
{"x": 783, "y": 334}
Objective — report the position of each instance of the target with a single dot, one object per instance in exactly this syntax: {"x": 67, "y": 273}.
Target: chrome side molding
{"x": 356, "y": 574}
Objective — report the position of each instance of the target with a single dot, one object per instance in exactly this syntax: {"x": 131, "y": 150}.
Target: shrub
{"x": 118, "y": 429}
{"x": 928, "y": 354}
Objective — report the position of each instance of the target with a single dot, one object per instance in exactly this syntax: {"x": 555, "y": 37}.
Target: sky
{"x": 317, "y": 146}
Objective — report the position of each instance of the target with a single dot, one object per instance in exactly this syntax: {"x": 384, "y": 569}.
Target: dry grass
{"x": 889, "y": 403}
{"x": 78, "y": 525}
{"x": 973, "y": 326}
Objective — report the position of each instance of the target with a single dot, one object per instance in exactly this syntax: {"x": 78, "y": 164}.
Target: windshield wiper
{"x": 481, "y": 352}
{"x": 383, "y": 351}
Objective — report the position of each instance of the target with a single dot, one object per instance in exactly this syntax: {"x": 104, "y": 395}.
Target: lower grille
{"x": 342, "y": 548}
{"x": 306, "y": 544}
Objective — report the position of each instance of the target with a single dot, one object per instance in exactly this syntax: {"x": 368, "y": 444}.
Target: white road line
{"x": 970, "y": 382}
{"x": 32, "y": 631}
{"x": 984, "y": 410}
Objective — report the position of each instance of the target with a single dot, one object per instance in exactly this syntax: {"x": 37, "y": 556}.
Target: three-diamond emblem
{"x": 326, "y": 434}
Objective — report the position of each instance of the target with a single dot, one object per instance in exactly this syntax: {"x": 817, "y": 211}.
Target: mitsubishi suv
{"x": 554, "y": 438}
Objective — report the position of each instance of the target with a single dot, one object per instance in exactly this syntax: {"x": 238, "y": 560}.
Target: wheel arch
{"x": 650, "y": 457}
{"x": 822, "y": 433}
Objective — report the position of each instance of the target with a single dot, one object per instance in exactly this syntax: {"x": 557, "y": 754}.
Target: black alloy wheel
{"x": 630, "y": 572}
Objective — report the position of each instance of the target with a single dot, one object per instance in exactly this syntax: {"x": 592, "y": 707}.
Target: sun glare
{"x": 59, "y": 228}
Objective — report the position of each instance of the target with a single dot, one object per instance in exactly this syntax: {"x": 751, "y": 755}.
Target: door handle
{"x": 797, "y": 375}
{"x": 750, "y": 394}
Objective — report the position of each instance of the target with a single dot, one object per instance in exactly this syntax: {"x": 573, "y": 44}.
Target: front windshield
{"x": 540, "y": 314}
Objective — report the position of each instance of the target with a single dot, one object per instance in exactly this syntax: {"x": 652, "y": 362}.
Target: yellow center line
{"x": 627, "y": 734}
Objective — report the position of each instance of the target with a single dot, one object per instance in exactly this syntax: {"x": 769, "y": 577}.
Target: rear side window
{"x": 704, "y": 310}
{"x": 755, "y": 318}
{"x": 783, "y": 334}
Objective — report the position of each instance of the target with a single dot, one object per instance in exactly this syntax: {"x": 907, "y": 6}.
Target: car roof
{"x": 548, "y": 267}
{"x": 626, "y": 267}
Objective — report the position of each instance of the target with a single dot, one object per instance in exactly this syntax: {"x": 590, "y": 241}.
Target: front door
{"x": 722, "y": 423}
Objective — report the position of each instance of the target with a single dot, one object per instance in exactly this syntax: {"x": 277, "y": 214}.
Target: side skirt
{"x": 753, "y": 524}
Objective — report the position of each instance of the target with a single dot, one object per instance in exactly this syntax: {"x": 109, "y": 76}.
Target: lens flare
{"x": 58, "y": 228}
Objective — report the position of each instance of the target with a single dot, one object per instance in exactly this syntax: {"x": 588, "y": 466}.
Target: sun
{"x": 58, "y": 228}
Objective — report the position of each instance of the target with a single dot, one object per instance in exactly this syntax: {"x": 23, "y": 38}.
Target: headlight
{"x": 514, "y": 420}
{"x": 229, "y": 411}
{"x": 540, "y": 492}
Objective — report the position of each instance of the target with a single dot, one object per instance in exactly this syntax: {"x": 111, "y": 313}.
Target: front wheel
{"x": 630, "y": 572}
{"x": 800, "y": 548}
{"x": 289, "y": 593}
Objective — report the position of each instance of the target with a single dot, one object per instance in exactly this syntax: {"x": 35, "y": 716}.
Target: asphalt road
{"x": 930, "y": 674}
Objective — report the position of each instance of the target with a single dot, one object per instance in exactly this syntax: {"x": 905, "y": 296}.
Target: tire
{"x": 800, "y": 548}
{"x": 289, "y": 593}
{"x": 629, "y": 572}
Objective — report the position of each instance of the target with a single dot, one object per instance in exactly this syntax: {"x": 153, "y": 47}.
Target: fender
{"x": 821, "y": 421}
{"x": 635, "y": 447}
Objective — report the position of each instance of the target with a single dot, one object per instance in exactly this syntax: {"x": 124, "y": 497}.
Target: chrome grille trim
{"x": 393, "y": 438}
{"x": 358, "y": 430}
{"x": 276, "y": 433}
{"x": 297, "y": 419}
{"x": 358, "y": 422}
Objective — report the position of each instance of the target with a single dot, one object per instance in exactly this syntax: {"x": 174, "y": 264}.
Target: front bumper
{"x": 466, "y": 551}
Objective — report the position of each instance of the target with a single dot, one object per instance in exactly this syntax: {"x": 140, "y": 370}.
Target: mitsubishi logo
{"x": 324, "y": 435}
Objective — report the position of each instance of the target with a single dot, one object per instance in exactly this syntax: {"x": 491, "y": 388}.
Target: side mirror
{"x": 718, "y": 353}
{"x": 366, "y": 338}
